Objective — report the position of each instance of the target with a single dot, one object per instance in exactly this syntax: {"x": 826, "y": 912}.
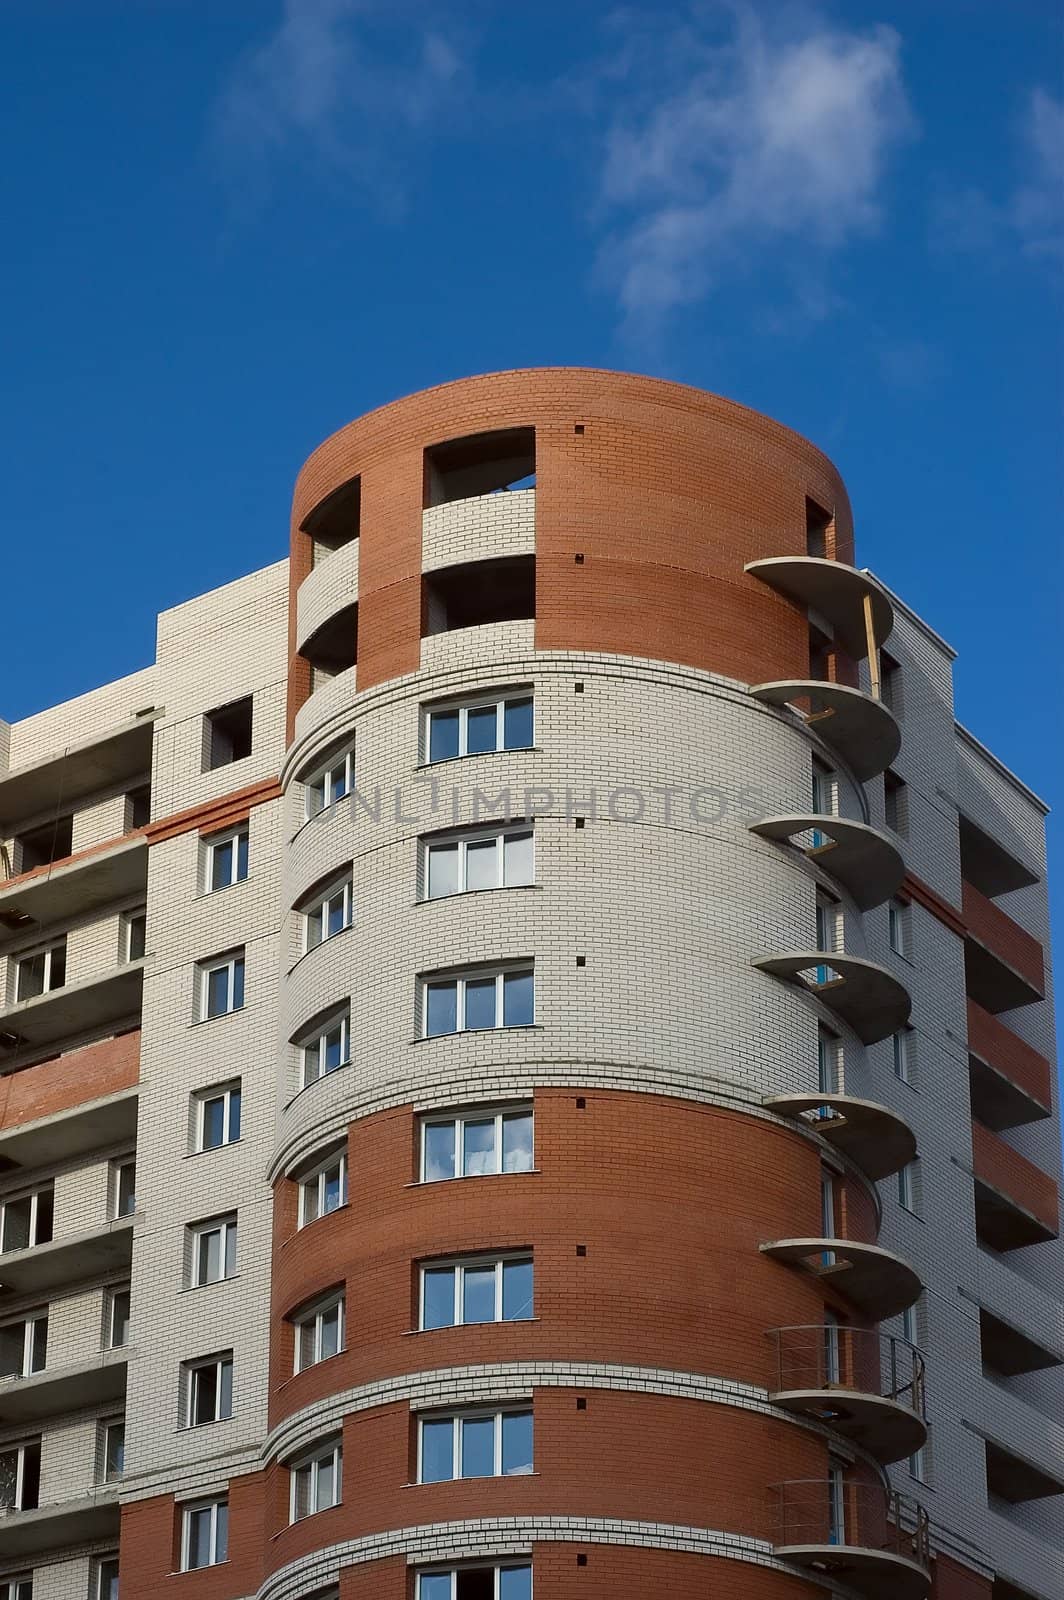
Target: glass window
{"x": 112, "y": 1451}
{"x": 478, "y": 1000}
{"x": 498, "y": 860}
{"x": 319, "y": 1332}
{"x": 327, "y": 1049}
{"x": 227, "y": 860}
{"x": 324, "y": 1189}
{"x": 479, "y": 1290}
{"x": 476, "y": 1445}
{"x": 330, "y": 784}
{"x": 116, "y": 1326}
{"x": 476, "y": 1143}
{"x": 20, "y": 1587}
{"x": 505, "y": 1582}
{"x": 317, "y": 1481}
{"x": 479, "y": 727}
{"x": 123, "y": 1188}
{"x": 135, "y": 935}
{"x": 26, "y": 1220}
{"x": 210, "y": 1390}
{"x": 20, "y": 1476}
{"x": 901, "y": 1044}
{"x": 328, "y": 915}
{"x": 217, "y": 1116}
{"x": 898, "y": 915}
{"x": 213, "y": 1250}
{"x": 205, "y": 1534}
{"x": 223, "y": 985}
{"x": 41, "y": 972}
{"x": 106, "y": 1585}
{"x": 24, "y": 1347}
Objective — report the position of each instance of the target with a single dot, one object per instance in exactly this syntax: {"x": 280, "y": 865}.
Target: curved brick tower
{"x": 609, "y": 1152}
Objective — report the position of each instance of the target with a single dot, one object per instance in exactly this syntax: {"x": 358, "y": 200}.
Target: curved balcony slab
{"x": 875, "y": 1281}
{"x": 837, "y": 591}
{"x": 865, "y": 996}
{"x": 860, "y": 730}
{"x": 331, "y": 586}
{"x": 877, "y": 1543}
{"x": 876, "y": 1139}
{"x": 325, "y": 704}
{"x": 861, "y": 859}
{"x": 866, "y": 1386}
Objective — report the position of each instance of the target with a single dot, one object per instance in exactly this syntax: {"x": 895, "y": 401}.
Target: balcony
{"x": 1013, "y": 1478}
{"x": 45, "y": 1267}
{"x": 83, "y": 1521}
{"x": 860, "y": 859}
{"x": 876, "y": 1282}
{"x": 480, "y": 528}
{"x": 111, "y": 1119}
{"x": 860, "y": 730}
{"x": 71, "y": 1104}
{"x": 99, "y": 1382}
{"x": 1011, "y": 1083}
{"x": 876, "y": 1139}
{"x": 329, "y": 588}
{"x": 77, "y": 885}
{"x": 1016, "y": 1203}
{"x": 1007, "y": 1350}
{"x": 988, "y": 865}
{"x": 853, "y": 604}
{"x": 88, "y": 1005}
{"x": 865, "y": 996}
{"x": 1003, "y": 963}
{"x": 875, "y": 1542}
{"x": 121, "y": 755}
{"x": 866, "y": 1386}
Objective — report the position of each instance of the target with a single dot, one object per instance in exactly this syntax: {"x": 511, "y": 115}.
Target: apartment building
{"x": 526, "y": 1053}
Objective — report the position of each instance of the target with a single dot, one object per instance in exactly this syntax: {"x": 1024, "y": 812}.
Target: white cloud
{"x": 337, "y": 80}
{"x": 1038, "y": 207}
{"x": 730, "y": 147}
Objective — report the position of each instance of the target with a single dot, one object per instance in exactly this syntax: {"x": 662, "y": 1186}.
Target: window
{"x": 319, "y": 1331}
{"x": 824, "y": 796}
{"x": 478, "y": 1290}
{"x": 476, "y": 1444}
{"x": 827, "y": 922}
{"x": 134, "y": 930}
{"x": 227, "y": 734}
{"x": 817, "y": 523}
{"x": 330, "y": 784}
{"x": 328, "y": 914}
{"x": 478, "y": 861}
{"x": 19, "y": 1588}
{"x": 827, "y": 1214}
{"x": 890, "y": 683}
{"x": 836, "y": 1504}
{"x": 476, "y": 1143}
{"x": 213, "y": 1250}
{"x": 204, "y": 1534}
{"x": 478, "y": 1000}
{"x": 478, "y": 463}
{"x": 20, "y": 1476}
{"x": 477, "y": 1583}
{"x": 898, "y": 925}
{"x": 116, "y": 1318}
{"x": 909, "y": 1187}
{"x": 209, "y": 1389}
{"x": 105, "y": 1578}
{"x": 323, "y": 1189}
{"x": 226, "y": 860}
{"x": 327, "y": 1049}
{"x": 26, "y": 1220}
{"x": 41, "y": 971}
{"x": 138, "y": 808}
{"x": 39, "y": 847}
{"x": 111, "y": 1459}
{"x": 222, "y": 985}
{"x": 829, "y": 1055}
{"x": 24, "y": 1346}
{"x": 479, "y": 726}
{"x": 896, "y": 803}
{"x": 917, "y": 1465}
{"x": 317, "y": 1480}
{"x": 902, "y": 1046}
{"x": 123, "y": 1188}
{"x": 216, "y": 1114}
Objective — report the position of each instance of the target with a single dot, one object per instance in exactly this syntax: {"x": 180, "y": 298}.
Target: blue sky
{"x": 232, "y": 227}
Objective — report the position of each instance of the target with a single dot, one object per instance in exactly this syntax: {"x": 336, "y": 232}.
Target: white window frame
{"x": 230, "y": 961}
{"x": 190, "y": 1509}
{"x": 191, "y": 1371}
{"x": 898, "y": 931}
{"x": 480, "y": 836}
{"x": 224, "y": 1226}
{"x": 460, "y": 1265}
{"x": 496, "y": 1567}
{"x": 18, "y": 1448}
{"x": 458, "y": 1120}
{"x": 908, "y": 1188}
{"x": 456, "y": 1418}
{"x": 48, "y": 951}
{"x": 313, "y": 1317}
{"x": 311, "y": 1463}
{"x": 205, "y": 1097}
{"x": 219, "y": 841}
{"x": 122, "y": 1165}
{"x": 29, "y": 1321}
{"x": 107, "y": 1427}
{"x": 430, "y": 980}
{"x": 901, "y": 1046}
{"x": 111, "y": 1295}
{"x": 33, "y": 1196}
{"x": 19, "y": 1586}
{"x": 129, "y": 920}
{"x": 316, "y": 1176}
{"x": 321, "y": 906}
{"x": 99, "y": 1573}
{"x": 476, "y": 703}
{"x": 312, "y": 1048}
{"x": 323, "y": 779}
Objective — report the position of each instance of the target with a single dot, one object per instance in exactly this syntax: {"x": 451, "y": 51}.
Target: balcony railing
{"x": 834, "y": 1356}
{"x": 876, "y": 1542}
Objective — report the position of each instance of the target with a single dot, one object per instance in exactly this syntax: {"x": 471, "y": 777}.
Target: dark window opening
{"x": 52, "y": 841}
{"x": 481, "y": 463}
{"x": 896, "y": 803}
{"x": 890, "y": 683}
{"x": 817, "y": 523}
{"x": 476, "y": 592}
{"x": 227, "y": 734}
{"x": 138, "y": 807}
{"x": 336, "y": 521}
{"x": 334, "y": 648}
{"x": 821, "y": 649}
{"x": 475, "y": 1583}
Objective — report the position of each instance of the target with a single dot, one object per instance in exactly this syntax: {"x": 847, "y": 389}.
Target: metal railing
{"x": 836, "y": 1356}
{"x": 846, "y": 1514}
